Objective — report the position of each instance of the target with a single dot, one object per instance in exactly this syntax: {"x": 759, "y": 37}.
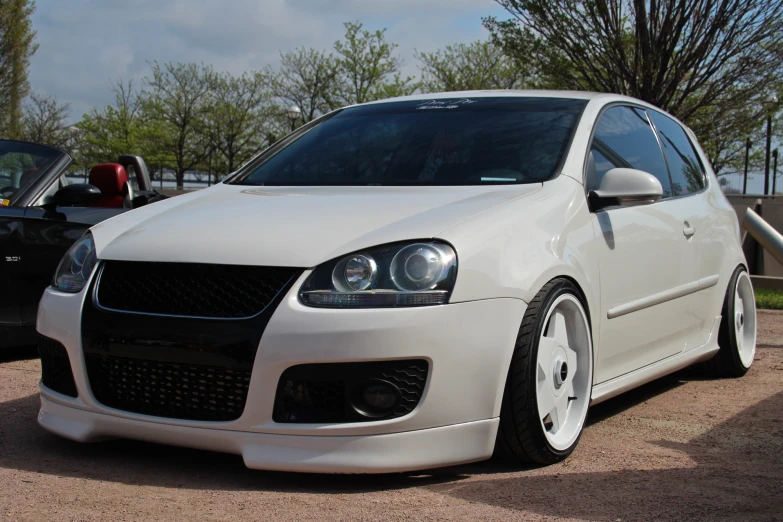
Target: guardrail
{"x": 766, "y": 236}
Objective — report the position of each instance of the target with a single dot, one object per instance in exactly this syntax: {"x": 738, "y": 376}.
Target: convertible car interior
{"x": 123, "y": 185}
{"x": 44, "y": 208}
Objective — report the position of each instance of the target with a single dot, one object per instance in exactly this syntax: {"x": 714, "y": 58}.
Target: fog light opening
{"x": 375, "y": 398}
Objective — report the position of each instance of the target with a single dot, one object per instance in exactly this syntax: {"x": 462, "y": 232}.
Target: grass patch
{"x": 769, "y": 299}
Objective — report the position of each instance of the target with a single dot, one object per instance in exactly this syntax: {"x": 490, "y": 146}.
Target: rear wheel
{"x": 737, "y": 335}
{"x": 548, "y": 387}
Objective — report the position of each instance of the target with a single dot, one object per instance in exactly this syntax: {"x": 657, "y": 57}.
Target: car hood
{"x": 290, "y": 226}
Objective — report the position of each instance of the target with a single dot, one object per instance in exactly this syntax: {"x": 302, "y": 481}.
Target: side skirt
{"x": 623, "y": 383}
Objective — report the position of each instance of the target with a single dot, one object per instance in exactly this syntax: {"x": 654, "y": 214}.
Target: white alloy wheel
{"x": 564, "y": 370}
{"x": 744, "y": 319}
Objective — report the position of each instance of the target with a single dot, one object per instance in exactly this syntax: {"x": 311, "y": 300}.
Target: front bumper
{"x": 468, "y": 347}
{"x": 394, "y": 452}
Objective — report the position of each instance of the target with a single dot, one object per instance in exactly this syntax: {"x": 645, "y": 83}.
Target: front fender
{"x": 514, "y": 249}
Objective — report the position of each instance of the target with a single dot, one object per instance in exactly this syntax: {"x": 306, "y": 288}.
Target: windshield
{"x": 460, "y": 141}
{"x": 21, "y": 164}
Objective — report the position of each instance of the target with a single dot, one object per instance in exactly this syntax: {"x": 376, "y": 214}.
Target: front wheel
{"x": 549, "y": 381}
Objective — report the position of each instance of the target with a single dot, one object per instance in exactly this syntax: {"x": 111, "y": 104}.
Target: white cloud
{"x": 86, "y": 44}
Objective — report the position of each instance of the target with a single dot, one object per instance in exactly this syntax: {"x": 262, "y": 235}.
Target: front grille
{"x": 190, "y": 289}
{"x": 163, "y": 389}
{"x": 56, "y": 372}
{"x": 321, "y": 393}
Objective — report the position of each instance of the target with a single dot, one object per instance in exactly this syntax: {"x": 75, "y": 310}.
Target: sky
{"x": 86, "y": 45}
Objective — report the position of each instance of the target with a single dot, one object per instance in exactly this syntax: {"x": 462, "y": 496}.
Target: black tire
{"x": 727, "y": 362}
{"x": 521, "y": 439}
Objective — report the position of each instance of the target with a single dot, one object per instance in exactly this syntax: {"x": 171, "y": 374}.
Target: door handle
{"x": 688, "y": 231}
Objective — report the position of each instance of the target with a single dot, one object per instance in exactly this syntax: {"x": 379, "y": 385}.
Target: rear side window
{"x": 624, "y": 138}
{"x": 686, "y": 169}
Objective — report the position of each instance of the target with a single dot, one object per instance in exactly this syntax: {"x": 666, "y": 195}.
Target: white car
{"x": 404, "y": 285}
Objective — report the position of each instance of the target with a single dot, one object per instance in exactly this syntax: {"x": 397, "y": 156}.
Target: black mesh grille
{"x": 56, "y": 372}
{"x": 323, "y": 392}
{"x": 163, "y": 389}
{"x": 190, "y": 289}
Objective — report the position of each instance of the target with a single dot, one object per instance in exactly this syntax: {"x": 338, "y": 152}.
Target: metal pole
{"x": 774, "y": 170}
{"x": 769, "y": 238}
{"x": 766, "y": 161}
{"x": 748, "y": 145}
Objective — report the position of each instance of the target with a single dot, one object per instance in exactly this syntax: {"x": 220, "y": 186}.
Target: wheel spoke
{"x": 558, "y": 329}
{"x": 572, "y": 365}
{"x": 545, "y": 399}
{"x": 560, "y": 412}
{"x": 546, "y": 350}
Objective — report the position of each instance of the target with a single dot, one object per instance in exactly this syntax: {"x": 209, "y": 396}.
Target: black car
{"x": 42, "y": 214}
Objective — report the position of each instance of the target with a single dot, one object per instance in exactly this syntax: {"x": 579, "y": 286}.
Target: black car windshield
{"x": 460, "y": 141}
{"x": 21, "y": 164}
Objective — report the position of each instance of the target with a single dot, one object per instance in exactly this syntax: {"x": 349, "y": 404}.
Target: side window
{"x": 686, "y": 169}
{"x": 624, "y": 138}
{"x": 56, "y": 185}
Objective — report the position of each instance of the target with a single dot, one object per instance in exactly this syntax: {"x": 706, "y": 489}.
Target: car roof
{"x": 597, "y": 97}
{"x": 490, "y": 93}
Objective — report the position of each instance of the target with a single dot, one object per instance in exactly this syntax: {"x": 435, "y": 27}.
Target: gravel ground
{"x": 680, "y": 448}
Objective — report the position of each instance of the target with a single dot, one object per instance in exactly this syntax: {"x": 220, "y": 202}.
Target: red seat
{"x": 112, "y": 180}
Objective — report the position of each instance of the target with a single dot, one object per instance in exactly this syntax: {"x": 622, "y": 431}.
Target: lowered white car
{"x": 403, "y": 285}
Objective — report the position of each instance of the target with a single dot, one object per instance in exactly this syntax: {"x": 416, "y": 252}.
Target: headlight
{"x": 402, "y": 274}
{"x": 77, "y": 265}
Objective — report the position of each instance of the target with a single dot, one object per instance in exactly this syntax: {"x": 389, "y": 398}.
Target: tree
{"x": 693, "y": 58}
{"x": 176, "y": 105}
{"x": 478, "y": 65}
{"x": 16, "y": 47}
{"x": 362, "y": 68}
{"x": 723, "y": 128}
{"x": 237, "y": 118}
{"x": 114, "y": 130}
{"x": 368, "y": 68}
{"x": 45, "y": 120}
{"x": 307, "y": 78}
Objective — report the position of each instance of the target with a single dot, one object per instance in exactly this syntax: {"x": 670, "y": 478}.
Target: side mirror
{"x": 627, "y": 188}
{"x": 76, "y": 195}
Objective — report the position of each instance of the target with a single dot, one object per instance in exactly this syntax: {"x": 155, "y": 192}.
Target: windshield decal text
{"x": 443, "y": 104}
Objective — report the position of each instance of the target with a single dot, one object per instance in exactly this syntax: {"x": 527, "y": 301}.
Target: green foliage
{"x": 236, "y": 121}
{"x": 769, "y": 299}
{"x": 177, "y": 104}
{"x": 307, "y": 78}
{"x": 362, "y": 68}
{"x": 114, "y": 130}
{"x": 367, "y": 66}
{"x": 16, "y": 47}
{"x": 474, "y": 66}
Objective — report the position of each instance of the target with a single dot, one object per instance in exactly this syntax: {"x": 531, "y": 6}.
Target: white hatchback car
{"x": 404, "y": 285}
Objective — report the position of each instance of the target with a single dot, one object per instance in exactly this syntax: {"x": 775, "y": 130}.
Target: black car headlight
{"x": 76, "y": 266}
{"x": 401, "y": 274}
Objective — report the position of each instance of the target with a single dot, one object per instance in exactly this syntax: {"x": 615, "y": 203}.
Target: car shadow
{"x": 26, "y": 446}
{"x": 735, "y": 475}
{"x": 18, "y": 353}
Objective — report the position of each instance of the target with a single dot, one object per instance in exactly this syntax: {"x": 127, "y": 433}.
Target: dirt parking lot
{"x": 681, "y": 448}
